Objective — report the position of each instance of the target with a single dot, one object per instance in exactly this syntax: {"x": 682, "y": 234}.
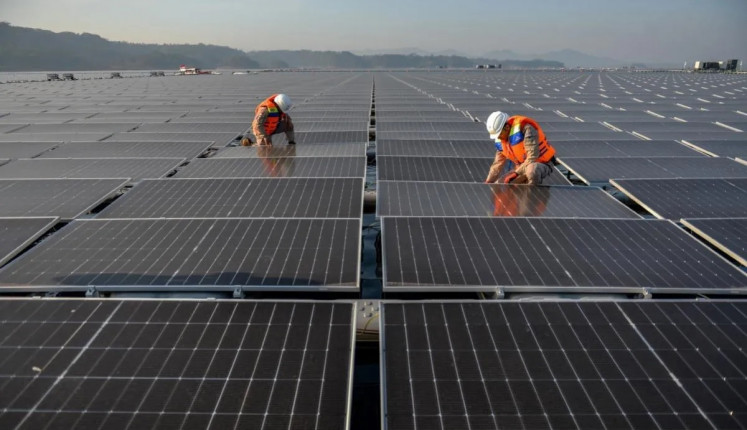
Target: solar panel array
{"x": 188, "y": 364}
{"x": 435, "y": 234}
{"x": 190, "y": 213}
{"x": 564, "y": 365}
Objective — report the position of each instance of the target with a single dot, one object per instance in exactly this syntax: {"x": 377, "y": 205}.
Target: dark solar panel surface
{"x": 443, "y": 169}
{"x": 314, "y": 150}
{"x": 424, "y": 199}
{"x": 134, "y": 168}
{"x": 175, "y": 364}
{"x": 278, "y": 167}
{"x": 539, "y": 254}
{"x": 725, "y": 148}
{"x": 24, "y": 149}
{"x": 314, "y": 137}
{"x": 204, "y": 254}
{"x": 64, "y": 198}
{"x": 54, "y": 137}
{"x": 128, "y": 150}
{"x": 497, "y": 365}
{"x": 432, "y": 169}
{"x": 199, "y": 127}
{"x": 79, "y": 128}
{"x": 219, "y": 139}
{"x": 436, "y": 148}
{"x": 241, "y": 198}
{"x": 623, "y": 148}
{"x": 688, "y": 198}
{"x": 727, "y": 234}
{"x": 601, "y": 170}
{"x": 17, "y": 233}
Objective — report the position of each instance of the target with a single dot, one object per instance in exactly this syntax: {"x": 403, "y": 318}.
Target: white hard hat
{"x": 495, "y": 123}
{"x": 283, "y": 101}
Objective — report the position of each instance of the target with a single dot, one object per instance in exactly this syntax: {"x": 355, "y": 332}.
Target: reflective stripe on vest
{"x": 513, "y": 147}
{"x": 274, "y": 115}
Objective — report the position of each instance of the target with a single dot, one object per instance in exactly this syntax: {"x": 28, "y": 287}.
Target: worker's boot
{"x": 246, "y": 142}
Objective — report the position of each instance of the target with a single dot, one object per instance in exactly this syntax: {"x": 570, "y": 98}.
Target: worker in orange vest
{"x": 271, "y": 117}
{"x": 519, "y": 139}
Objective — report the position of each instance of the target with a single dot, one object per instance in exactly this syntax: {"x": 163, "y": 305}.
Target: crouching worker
{"x": 519, "y": 139}
{"x": 271, "y": 117}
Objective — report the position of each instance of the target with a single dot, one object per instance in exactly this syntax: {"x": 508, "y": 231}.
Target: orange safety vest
{"x": 513, "y": 147}
{"x": 274, "y": 114}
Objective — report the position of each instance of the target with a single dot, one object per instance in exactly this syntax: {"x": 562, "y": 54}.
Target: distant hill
{"x": 569, "y": 57}
{"x": 27, "y": 49}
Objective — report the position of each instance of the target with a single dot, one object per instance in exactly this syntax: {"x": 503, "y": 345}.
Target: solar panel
{"x": 436, "y": 148}
{"x": 18, "y": 233}
{"x": 197, "y": 127}
{"x": 320, "y": 126}
{"x": 134, "y": 168}
{"x": 601, "y": 170}
{"x": 623, "y": 148}
{"x": 443, "y": 169}
{"x": 726, "y": 234}
{"x": 314, "y": 137}
{"x": 219, "y": 139}
{"x": 192, "y": 254}
{"x": 186, "y": 364}
{"x": 431, "y": 135}
{"x": 241, "y": 198}
{"x": 78, "y": 128}
{"x": 495, "y": 365}
{"x": 64, "y": 198}
{"x": 688, "y": 198}
{"x": 432, "y": 169}
{"x": 722, "y": 148}
{"x": 53, "y": 137}
{"x": 24, "y": 149}
{"x": 7, "y": 128}
{"x": 128, "y": 150}
{"x": 314, "y": 150}
{"x": 424, "y": 199}
{"x": 541, "y": 254}
{"x": 423, "y": 126}
{"x": 280, "y": 167}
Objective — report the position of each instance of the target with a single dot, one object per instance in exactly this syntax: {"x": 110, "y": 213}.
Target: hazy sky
{"x": 644, "y": 30}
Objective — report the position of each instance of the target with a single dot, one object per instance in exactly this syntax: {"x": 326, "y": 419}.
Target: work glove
{"x": 510, "y": 177}
{"x": 246, "y": 142}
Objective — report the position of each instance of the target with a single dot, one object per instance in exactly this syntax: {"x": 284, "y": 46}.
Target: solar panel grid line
{"x": 572, "y": 255}
{"x": 607, "y": 359}
{"x": 427, "y": 199}
{"x": 726, "y": 234}
{"x": 170, "y": 401}
{"x": 689, "y": 198}
{"x": 723, "y": 370}
{"x": 129, "y": 266}
{"x": 62, "y": 375}
{"x": 664, "y": 364}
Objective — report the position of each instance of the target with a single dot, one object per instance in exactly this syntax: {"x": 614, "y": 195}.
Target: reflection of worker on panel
{"x": 519, "y": 201}
{"x": 271, "y": 117}
{"x": 519, "y": 139}
{"x": 278, "y": 162}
